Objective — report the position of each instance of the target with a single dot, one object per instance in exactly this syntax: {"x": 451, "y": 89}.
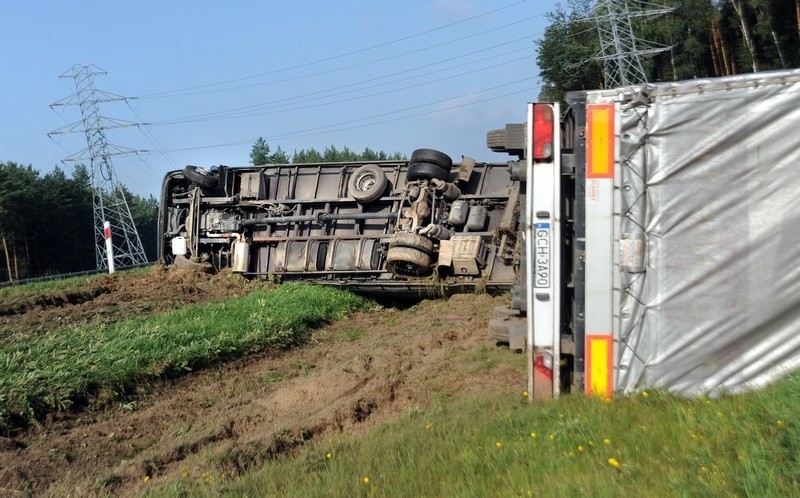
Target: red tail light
{"x": 544, "y": 365}
{"x": 542, "y": 132}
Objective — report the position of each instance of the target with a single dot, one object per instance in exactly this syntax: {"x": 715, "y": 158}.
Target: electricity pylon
{"x": 620, "y": 50}
{"x": 112, "y": 216}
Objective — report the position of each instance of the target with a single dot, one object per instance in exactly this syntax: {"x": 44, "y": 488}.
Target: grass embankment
{"x": 61, "y": 285}
{"x": 646, "y": 445}
{"x": 43, "y": 374}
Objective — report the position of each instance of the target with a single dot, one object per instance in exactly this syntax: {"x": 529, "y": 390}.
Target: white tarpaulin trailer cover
{"x": 706, "y": 276}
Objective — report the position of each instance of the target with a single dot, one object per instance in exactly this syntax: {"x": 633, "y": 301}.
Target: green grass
{"x": 665, "y": 446}
{"x": 53, "y": 372}
{"x": 353, "y": 334}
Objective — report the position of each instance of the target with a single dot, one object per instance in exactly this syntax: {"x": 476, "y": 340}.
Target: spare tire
{"x": 408, "y": 262}
{"x": 413, "y": 240}
{"x": 367, "y": 183}
{"x": 201, "y": 176}
{"x": 182, "y": 261}
{"x": 496, "y": 139}
{"x": 426, "y": 171}
{"x": 432, "y": 156}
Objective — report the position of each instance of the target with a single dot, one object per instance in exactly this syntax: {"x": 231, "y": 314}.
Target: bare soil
{"x": 350, "y": 376}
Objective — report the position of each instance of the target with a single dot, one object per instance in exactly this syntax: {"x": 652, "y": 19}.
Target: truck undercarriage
{"x": 397, "y": 228}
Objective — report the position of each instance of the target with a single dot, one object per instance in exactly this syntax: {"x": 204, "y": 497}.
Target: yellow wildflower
{"x": 607, "y": 442}
{"x": 779, "y": 423}
{"x": 614, "y": 463}
{"x": 365, "y": 480}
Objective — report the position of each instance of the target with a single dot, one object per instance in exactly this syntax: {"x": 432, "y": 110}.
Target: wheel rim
{"x": 365, "y": 182}
{"x": 407, "y": 268}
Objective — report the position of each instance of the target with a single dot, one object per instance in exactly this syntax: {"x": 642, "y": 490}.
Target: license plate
{"x": 541, "y": 255}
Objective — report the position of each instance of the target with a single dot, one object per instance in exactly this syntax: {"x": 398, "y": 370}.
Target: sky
{"x": 203, "y": 80}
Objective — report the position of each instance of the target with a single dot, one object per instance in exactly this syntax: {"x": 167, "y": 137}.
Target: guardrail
{"x": 67, "y": 275}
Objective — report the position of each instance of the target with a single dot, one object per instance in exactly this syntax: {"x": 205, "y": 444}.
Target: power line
{"x": 150, "y": 137}
{"x": 251, "y": 111}
{"x": 324, "y": 129}
{"x": 339, "y": 56}
{"x": 306, "y": 96}
{"x": 361, "y": 64}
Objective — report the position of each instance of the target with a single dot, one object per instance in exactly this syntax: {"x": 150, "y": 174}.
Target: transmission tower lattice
{"x": 620, "y": 50}
{"x": 108, "y": 196}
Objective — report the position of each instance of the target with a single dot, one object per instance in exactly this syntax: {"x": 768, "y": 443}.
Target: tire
{"x": 408, "y": 262}
{"x": 186, "y": 263}
{"x": 201, "y": 176}
{"x": 496, "y": 139}
{"x": 426, "y": 171}
{"x": 412, "y": 240}
{"x": 505, "y": 312}
{"x": 498, "y": 330}
{"x": 432, "y": 156}
{"x": 367, "y": 183}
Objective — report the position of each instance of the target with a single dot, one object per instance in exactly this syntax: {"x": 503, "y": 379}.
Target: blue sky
{"x": 211, "y": 77}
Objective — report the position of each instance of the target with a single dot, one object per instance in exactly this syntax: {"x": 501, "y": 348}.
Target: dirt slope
{"x": 352, "y": 375}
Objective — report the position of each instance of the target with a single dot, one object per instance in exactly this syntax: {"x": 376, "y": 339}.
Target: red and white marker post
{"x": 109, "y": 247}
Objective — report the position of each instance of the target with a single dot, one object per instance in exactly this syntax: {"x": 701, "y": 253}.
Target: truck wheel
{"x": 201, "y": 176}
{"x": 407, "y": 261}
{"x": 496, "y": 139}
{"x": 498, "y": 330}
{"x": 426, "y": 171}
{"x": 182, "y": 261}
{"x": 367, "y": 183}
{"x": 432, "y": 156}
{"x": 412, "y": 240}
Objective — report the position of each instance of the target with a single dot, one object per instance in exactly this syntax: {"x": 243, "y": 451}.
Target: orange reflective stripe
{"x": 600, "y": 141}
{"x": 599, "y": 365}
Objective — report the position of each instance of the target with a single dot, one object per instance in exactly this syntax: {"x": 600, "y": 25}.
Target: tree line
{"x": 260, "y": 154}
{"x": 702, "y": 38}
{"x": 47, "y": 221}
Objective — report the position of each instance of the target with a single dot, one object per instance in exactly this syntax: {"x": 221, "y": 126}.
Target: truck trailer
{"x": 662, "y": 231}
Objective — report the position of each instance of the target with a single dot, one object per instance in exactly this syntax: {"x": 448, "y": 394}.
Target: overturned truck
{"x": 649, "y": 235}
{"x": 396, "y": 228}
